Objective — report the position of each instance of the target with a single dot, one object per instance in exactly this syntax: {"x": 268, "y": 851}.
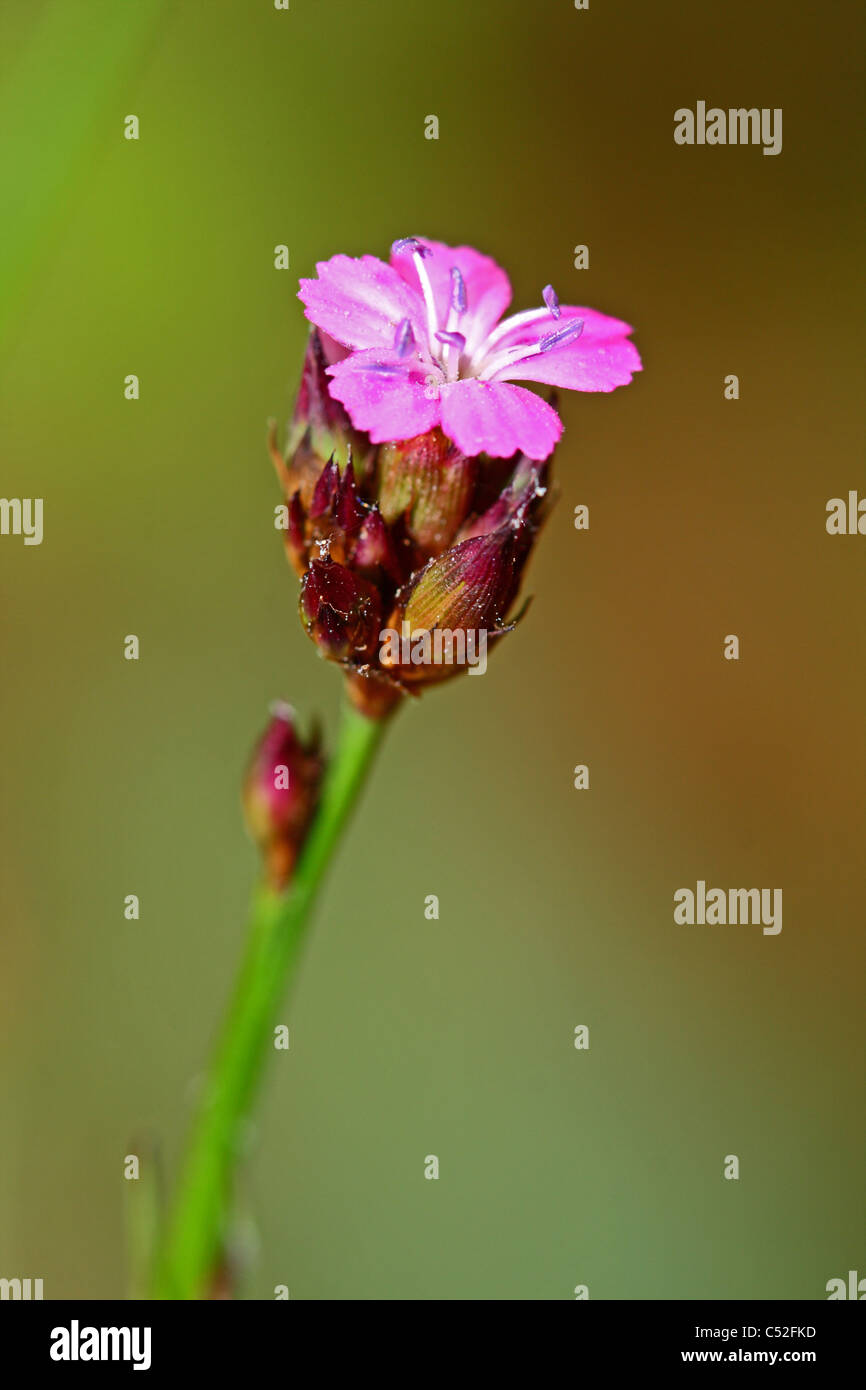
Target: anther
{"x": 550, "y": 298}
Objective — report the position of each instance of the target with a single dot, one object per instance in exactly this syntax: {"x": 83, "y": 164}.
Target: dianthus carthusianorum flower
{"x": 421, "y": 342}
{"x": 415, "y": 473}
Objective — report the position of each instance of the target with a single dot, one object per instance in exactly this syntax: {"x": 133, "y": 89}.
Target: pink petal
{"x": 488, "y": 290}
{"x": 596, "y": 327}
{"x": 387, "y": 407}
{"x": 580, "y": 367}
{"x": 334, "y": 351}
{"x": 495, "y": 418}
{"x": 360, "y": 302}
{"x": 601, "y": 359}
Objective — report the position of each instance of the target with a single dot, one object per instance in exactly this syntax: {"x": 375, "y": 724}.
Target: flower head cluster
{"x": 415, "y": 473}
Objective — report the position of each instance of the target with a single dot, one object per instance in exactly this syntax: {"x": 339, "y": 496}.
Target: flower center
{"x": 446, "y": 345}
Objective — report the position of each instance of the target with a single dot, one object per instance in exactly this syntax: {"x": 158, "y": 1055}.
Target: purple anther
{"x": 404, "y": 338}
{"x": 551, "y": 299}
{"x": 456, "y": 340}
{"x": 458, "y": 291}
{"x": 561, "y": 335}
{"x": 411, "y": 243}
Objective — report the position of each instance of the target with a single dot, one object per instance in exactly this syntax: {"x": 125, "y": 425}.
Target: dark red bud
{"x": 315, "y": 407}
{"x": 376, "y": 548}
{"x": 523, "y": 498}
{"x": 340, "y": 610}
{"x": 280, "y": 791}
{"x": 320, "y": 428}
{"x": 349, "y": 510}
{"x": 326, "y": 490}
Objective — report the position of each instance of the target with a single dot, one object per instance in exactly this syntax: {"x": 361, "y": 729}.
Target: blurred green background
{"x": 454, "y": 1037}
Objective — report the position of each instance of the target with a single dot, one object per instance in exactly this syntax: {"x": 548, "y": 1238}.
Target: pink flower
{"x": 425, "y": 344}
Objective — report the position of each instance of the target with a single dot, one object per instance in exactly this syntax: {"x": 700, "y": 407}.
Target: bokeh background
{"x": 454, "y": 1037}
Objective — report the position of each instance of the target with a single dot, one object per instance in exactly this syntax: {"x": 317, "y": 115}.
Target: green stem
{"x": 192, "y": 1241}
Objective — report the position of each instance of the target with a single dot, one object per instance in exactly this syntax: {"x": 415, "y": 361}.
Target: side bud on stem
{"x": 280, "y": 793}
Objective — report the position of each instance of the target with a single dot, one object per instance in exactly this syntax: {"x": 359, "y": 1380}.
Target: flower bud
{"x": 462, "y": 597}
{"x": 524, "y": 498}
{"x": 429, "y": 483}
{"x": 280, "y": 792}
{"x": 320, "y": 431}
{"x": 339, "y": 525}
{"x": 471, "y": 585}
{"x": 376, "y": 548}
{"x": 340, "y": 610}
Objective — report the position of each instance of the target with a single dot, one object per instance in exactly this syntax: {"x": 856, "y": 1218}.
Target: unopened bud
{"x": 320, "y": 430}
{"x": 468, "y": 590}
{"x": 280, "y": 792}
{"x": 428, "y": 482}
{"x": 340, "y": 610}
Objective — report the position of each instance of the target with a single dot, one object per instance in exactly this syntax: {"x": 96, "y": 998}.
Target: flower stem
{"x": 193, "y": 1237}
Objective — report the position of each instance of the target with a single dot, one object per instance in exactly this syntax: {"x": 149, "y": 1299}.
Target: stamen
{"x": 548, "y": 294}
{"x": 411, "y": 243}
{"x": 561, "y": 335}
{"x": 458, "y": 291}
{"x": 510, "y": 357}
{"x": 404, "y": 338}
{"x": 454, "y": 345}
{"x": 485, "y": 348}
{"x": 420, "y": 251}
{"x": 456, "y": 340}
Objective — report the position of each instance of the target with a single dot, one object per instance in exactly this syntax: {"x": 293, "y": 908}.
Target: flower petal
{"x": 596, "y": 326}
{"x": 601, "y": 359}
{"x": 602, "y": 368}
{"x": 389, "y": 404}
{"x": 334, "y": 351}
{"x": 495, "y": 418}
{"x": 360, "y": 302}
{"x": 488, "y": 290}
